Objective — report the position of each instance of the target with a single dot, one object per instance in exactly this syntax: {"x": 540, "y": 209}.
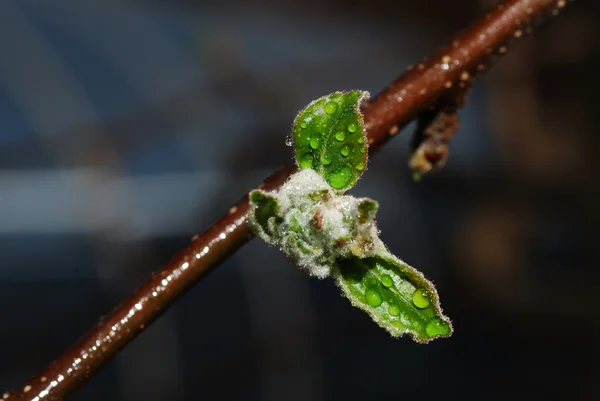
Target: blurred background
{"x": 128, "y": 126}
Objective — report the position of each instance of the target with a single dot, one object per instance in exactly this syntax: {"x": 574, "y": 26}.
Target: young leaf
{"x": 329, "y": 137}
{"x": 396, "y": 296}
{"x": 263, "y": 215}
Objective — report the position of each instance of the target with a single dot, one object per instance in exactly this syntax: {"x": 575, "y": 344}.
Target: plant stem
{"x": 469, "y": 54}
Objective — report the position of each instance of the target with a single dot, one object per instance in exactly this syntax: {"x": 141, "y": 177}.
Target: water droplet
{"x": 373, "y": 297}
{"x": 314, "y": 142}
{"x": 306, "y": 161}
{"x": 340, "y": 178}
{"x": 340, "y": 136}
{"x": 345, "y": 151}
{"x": 326, "y": 159}
{"x": 303, "y": 125}
{"x": 352, "y": 127}
{"x": 363, "y": 150}
{"x": 360, "y": 166}
{"x": 420, "y": 299}
{"x": 387, "y": 280}
{"x": 394, "y": 310}
{"x": 330, "y": 107}
{"x": 437, "y": 326}
{"x": 289, "y": 140}
{"x": 360, "y": 140}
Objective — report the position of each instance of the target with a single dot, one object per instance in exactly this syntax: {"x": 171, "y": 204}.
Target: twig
{"x": 467, "y": 55}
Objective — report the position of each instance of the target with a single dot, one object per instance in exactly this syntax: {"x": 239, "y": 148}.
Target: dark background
{"x": 127, "y": 127}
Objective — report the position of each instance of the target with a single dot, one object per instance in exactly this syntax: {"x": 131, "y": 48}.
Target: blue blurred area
{"x": 128, "y": 126}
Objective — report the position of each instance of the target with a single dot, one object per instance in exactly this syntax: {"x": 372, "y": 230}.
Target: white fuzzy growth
{"x": 299, "y": 186}
{"x": 319, "y": 226}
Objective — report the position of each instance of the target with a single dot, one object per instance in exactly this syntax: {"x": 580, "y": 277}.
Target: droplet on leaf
{"x": 420, "y": 299}
{"x": 330, "y": 107}
{"x": 340, "y": 178}
{"x": 394, "y": 310}
{"x": 373, "y": 297}
{"x": 387, "y": 280}
{"x": 437, "y": 326}
{"x": 306, "y": 161}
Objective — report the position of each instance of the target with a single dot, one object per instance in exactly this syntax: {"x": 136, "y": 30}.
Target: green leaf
{"x": 263, "y": 215}
{"x": 396, "y": 296}
{"x": 329, "y": 137}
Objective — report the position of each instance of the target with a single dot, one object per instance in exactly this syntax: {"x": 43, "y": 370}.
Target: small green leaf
{"x": 396, "y": 296}
{"x": 264, "y": 215}
{"x": 367, "y": 209}
{"x": 329, "y": 137}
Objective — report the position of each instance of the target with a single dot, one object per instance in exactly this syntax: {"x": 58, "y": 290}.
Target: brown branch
{"x": 468, "y": 54}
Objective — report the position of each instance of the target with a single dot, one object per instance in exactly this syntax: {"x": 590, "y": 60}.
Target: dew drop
{"x": 360, "y": 166}
{"x": 363, "y": 150}
{"x": 306, "y": 161}
{"x": 360, "y": 140}
{"x": 352, "y": 127}
{"x": 289, "y": 140}
{"x": 437, "y": 326}
{"x": 394, "y": 310}
{"x": 340, "y": 178}
{"x": 326, "y": 159}
{"x": 303, "y": 125}
{"x": 330, "y": 107}
{"x": 387, "y": 280}
{"x": 345, "y": 151}
{"x": 373, "y": 297}
{"x": 340, "y": 136}
{"x": 420, "y": 299}
{"x": 314, "y": 142}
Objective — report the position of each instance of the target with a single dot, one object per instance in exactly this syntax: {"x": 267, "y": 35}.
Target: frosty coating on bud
{"x": 312, "y": 225}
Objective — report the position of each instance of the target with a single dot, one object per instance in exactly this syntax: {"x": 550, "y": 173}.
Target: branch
{"x": 469, "y": 54}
